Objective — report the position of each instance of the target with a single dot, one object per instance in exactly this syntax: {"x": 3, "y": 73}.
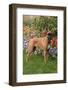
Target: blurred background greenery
{"x": 38, "y": 24}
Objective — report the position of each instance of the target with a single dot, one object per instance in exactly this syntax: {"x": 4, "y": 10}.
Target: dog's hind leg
{"x": 28, "y": 54}
{"x": 27, "y": 57}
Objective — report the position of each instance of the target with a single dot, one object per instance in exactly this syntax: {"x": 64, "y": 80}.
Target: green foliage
{"x": 41, "y": 22}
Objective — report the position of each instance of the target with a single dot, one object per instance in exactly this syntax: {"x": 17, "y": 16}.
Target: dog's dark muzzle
{"x": 49, "y": 37}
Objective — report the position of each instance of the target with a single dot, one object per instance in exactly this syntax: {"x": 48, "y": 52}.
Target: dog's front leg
{"x": 44, "y": 56}
{"x": 47, "y": 55}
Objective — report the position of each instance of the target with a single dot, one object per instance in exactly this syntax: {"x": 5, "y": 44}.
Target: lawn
{"x": 36, "y": 65}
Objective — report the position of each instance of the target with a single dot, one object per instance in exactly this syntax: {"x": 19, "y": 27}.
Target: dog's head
{"x": 50, "y": 35}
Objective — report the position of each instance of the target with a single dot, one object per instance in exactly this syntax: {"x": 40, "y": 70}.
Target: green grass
{"x": 36, "y": 65}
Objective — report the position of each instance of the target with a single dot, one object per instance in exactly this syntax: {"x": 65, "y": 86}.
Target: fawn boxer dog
{"x": 41, "y": 43}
